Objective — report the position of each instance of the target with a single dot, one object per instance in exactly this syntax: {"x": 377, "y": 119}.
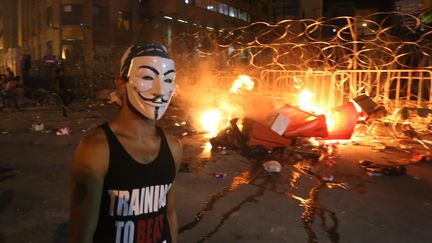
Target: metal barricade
{"x": 394, "y": 88}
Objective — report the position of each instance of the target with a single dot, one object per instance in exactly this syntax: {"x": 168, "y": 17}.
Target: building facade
{"x": 86, "y": 33}
{"x": 9, "y": 36}
{"x": 296, "y": 9}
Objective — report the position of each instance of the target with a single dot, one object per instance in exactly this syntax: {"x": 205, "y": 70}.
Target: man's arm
{"x": 89, "y": 168}
{"x": 177, "y": 152}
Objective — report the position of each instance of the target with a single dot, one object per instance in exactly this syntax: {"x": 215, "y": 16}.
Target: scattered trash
{"x": 374, "y": 169}
{"x": 272, "y": 166}
{"x": 327, "y": 178}
{"x": 4, "y": 132}
{"x": 258, "y": 152}
{"x": 291, "y": 121}
{"x": 230, "y": 137}
{"x": 260, "y": 134}
{"x": 313, "y": 152}
{"x": 220, "y": 175}
{"x": 38, "y": 127}
{"x": 410, "y": 132}
{"x": 64, "y": 131}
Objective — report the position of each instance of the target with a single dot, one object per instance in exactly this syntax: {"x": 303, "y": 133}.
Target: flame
{"x": 305, "y": 101}
{"x": 210, "y": 121}
{"x": 215, "y": 119}
{"x": 242, "y": 81}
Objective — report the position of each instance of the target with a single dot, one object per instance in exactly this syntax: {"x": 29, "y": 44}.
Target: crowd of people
{"x": 10, "y": 88}
{"x": 13, "y": 91}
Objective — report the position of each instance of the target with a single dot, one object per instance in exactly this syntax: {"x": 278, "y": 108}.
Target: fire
{"x": 214, "y": 119}
{"x": 242, "y": 81}
{"x": 305, "y": 101}
{"x": 210, "y": 121}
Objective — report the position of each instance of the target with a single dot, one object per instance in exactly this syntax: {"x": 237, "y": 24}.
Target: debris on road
{"x": 230, "y": 137}
{"x": 38, "y": 127}
{"x": 272, "y": 166}
{"x": 64, "y": 131}
{"x": 260, "y": 135}
{"x": 374, "y": 169}
{"x": 220, "y": 175}
{"x": 291, "y": 121}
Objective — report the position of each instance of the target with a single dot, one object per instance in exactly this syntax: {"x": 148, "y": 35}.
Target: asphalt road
{"x": 222, "y": 196}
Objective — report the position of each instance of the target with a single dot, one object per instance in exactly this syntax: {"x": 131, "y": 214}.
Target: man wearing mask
{"x": 123, "y": 173}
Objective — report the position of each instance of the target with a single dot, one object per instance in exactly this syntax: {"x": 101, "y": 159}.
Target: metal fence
{"x": 393, "y": 88}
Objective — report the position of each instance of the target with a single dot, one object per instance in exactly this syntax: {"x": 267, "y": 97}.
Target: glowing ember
{"x": 210, "y": 121}
{"x": 243, "y": 81}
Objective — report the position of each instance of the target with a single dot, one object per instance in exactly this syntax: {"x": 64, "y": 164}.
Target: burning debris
{"x": 230, "y": 137}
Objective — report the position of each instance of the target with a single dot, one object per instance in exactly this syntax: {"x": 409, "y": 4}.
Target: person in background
{"x": 13, "y": 89}
{"x": 117, "y": 95}
{"x": 64, "y": 93}
{"x": 3, "y": 81}
{"x": 123, "y": 173}
{"x": 9, "y": 73}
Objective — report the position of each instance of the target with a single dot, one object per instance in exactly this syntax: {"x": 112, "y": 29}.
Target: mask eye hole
{"x": 169, "y": 81}
{"x": 147, "y": 78}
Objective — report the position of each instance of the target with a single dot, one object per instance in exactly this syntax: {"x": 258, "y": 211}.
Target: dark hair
{"x": 17, "y": 78}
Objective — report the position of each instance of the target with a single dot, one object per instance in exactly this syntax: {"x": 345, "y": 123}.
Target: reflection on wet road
{"x": 313, "y": 210}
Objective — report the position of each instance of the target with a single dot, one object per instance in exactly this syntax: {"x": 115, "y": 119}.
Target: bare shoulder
{"x": 176, "y": 148}
{"x": 92, "y": 153}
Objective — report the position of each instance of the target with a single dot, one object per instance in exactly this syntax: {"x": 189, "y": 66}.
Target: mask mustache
{"x": 155, "y": 99}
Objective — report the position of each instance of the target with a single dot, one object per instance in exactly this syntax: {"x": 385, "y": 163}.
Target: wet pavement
{"x": 222, "y": 196}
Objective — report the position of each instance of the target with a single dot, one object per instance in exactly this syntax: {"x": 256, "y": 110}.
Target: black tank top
{"x": 134, "y": 198}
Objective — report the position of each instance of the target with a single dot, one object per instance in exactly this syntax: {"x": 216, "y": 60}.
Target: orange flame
{"x": 305, "y": 101}
{"x": 242, "y": 81}
{"x": 210, "y": 121}
{"x": 214, "y": 119}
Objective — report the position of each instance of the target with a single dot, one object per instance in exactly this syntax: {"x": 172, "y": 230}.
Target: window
{"x": 100, "y": 15}
{"x": 72, "y": 14}
{"x": 67, "y": 8}
{"x": 123, "y": 20}
{"x": 49, "y": 20}
{"x": 233, "y": 12}
{"x": 225, "y": 9}
{"x": 243, "y": 15}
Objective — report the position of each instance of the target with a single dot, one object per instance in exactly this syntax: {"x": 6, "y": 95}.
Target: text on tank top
{"x": 134, "y": 198}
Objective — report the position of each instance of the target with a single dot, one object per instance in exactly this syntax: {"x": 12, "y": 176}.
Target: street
{"x": 221, "y": 195}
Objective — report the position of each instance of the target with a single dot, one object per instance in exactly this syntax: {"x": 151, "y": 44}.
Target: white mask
{"x": 151, "y": 84}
